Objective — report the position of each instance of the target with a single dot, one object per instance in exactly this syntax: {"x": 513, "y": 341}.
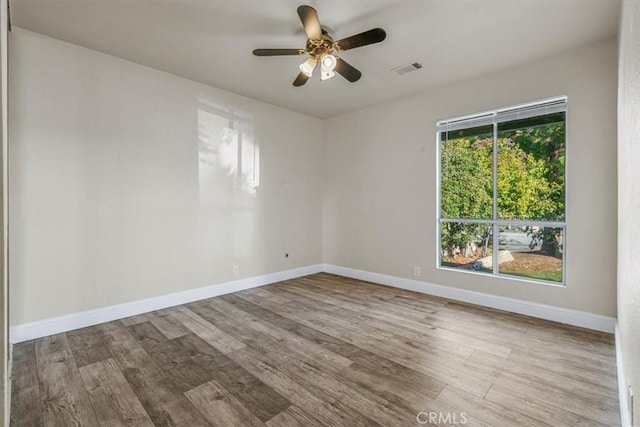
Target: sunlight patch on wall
{"x": 229, "y": 156}
{"x": 229, "y": 174}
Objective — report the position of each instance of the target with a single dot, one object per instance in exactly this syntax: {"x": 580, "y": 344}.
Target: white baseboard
{"x": 583, "y": 319}
{"x": 623, "y": 395}
{"x": 45, "y": 327}
{"x": 56, "y": 325}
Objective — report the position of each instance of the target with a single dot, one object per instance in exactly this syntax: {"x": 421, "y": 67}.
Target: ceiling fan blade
{"x": 375, "y": 35}
{"x": 275, "y": 52}
{"x": 310, "y": 22}
{"x": 301, "y": 79}
{"x": 347, "y": 71}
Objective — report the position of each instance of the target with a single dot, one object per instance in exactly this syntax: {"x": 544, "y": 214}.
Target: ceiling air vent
{"x": 404, "y": 69}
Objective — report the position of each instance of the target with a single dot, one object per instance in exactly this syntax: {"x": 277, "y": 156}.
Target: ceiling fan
{"x": 320, "y": 48}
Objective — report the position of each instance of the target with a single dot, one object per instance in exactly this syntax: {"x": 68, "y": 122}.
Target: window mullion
{"x": 495, "y": 198}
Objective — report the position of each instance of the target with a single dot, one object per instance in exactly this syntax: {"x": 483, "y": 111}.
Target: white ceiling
{"x": 210, "y": 41}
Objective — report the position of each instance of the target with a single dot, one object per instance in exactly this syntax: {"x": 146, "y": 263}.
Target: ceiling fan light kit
{"x": 327, "y": 65}
{"x": 308, "y": 66}
{"x": 321, "y": 47}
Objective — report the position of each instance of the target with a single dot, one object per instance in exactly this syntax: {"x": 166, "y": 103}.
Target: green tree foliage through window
{"x": 466, "y": 177}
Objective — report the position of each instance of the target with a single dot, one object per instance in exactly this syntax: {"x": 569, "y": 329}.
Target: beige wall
{"x": 127, "y": 183}
{"x": 380, "y": 192}
{"x": 629, "y": 197}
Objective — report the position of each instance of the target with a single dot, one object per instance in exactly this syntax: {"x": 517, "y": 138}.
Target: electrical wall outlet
{"x": 416, "y": 271}
{"x": 236, "y": 271}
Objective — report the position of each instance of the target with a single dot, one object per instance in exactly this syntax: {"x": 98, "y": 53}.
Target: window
{"x": 502, "y": 185}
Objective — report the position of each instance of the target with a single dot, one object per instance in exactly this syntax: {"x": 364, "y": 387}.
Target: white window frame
{"x": 493, "y": 117}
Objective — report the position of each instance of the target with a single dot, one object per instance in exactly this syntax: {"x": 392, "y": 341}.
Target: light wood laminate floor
{"x": 318, "y": 351}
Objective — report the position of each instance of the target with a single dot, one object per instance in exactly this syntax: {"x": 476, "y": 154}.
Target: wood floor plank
{"x": 171, "y": 357}
{"x": 368, "y": 289}
{"x": 544, "y": 412}
{"x": 513, "y": 337}
{"x": 167, "y": 324}
{"x": 58, "y": 343}
{"x": 334, "y": 387}
{"x": 134, "y": 320}
{"x": 391, "y": 326}
{"x": 577, "y": 387}
{"x": 588, "y": 408}
{"x": 383, "y": 367}
{"x": 26, "y": 409}
{"x": 416, "y": 401}
{"x": 264, "y": 293}
{"x": 487, "y": 411}
{"x": 293, "y": 417}
{"x": 329, "y": 412}
{"x": 160, "y": 396}
{"x": 544, "y": 360}
{"x": 277, "y": 315}
{"x": 360, "y": 399}
{"x": 267, "y": 337}
{"x": 113, "y": 400}
{"x": 425, "y": 334}
{"x": 319, "y": 350}
{"x": 324, "y": 297}
{"x": 23, "y": 350}
{"x": 64, "y": 399}
{"x": 404, "y": 385}
{"x": 250, "y": 391}
{"x": 87, "y": 346}
{"x": 220, "y": 407}
{"x": 427, "y": 305}
{"x": 295, "y": 342}
{"x": 217, "y": 338}
{"x": 449, "y": 371}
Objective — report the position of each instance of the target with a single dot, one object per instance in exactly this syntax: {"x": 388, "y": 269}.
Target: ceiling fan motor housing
{"x": 316, "y": 48}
